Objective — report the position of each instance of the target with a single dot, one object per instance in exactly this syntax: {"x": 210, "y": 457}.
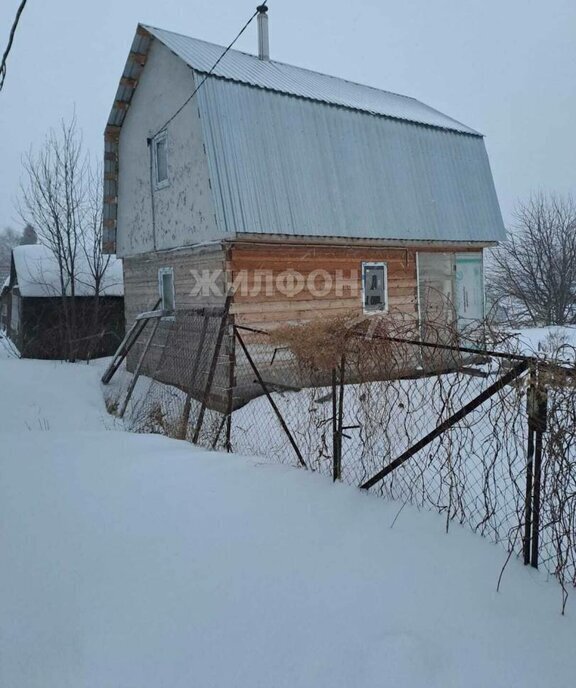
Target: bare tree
{"x": 96, "y": 261}
{"x": 92, "y": 231}
{"x": 535, "y": 269}
{"x": 61, "y": 197}
{"x": 9, "y": 238}
{"x": 53, "y": 199}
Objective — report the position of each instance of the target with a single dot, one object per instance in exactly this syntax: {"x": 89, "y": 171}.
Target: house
{"x": 310, "y": 195}
{"x": 32, "y": 307}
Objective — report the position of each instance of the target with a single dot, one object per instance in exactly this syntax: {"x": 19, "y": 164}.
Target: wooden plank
{"x": 139, "y": 58}
{"x": 354, "y": 297}
{"x": 312, "y": 314}
{"x": 302, "y": 264}
{"x": 240, "y": 251}
{"x": 265, "y": 306}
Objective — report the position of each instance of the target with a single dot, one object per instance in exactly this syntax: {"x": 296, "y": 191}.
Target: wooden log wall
{"x": 141, "y": 293}
{"x": 267, "y": 309}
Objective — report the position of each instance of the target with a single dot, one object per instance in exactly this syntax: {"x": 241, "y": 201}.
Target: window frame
{"x": 374, "y": 264}
{"x": 161, "y": 273}
{"x": 162, "y": 137}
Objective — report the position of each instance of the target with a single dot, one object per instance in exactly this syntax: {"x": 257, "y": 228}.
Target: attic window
{"x": 375, "y": 287}
{"x": 160, "y": 160}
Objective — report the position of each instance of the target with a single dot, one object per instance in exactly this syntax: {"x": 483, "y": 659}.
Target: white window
{"x": 160, "y": 160}
{"x": 166, "y": 289}
{"x": 375, "y": 287}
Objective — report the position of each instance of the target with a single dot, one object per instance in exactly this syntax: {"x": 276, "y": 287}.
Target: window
{"x": 375, "y": 287}
{"x": 160, "y": 159}
{"x": 166, "y": 288}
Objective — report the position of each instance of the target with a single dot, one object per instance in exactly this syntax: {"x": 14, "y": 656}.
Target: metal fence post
{"x": 334, "y": 427}
{"x": 337, "y": 419}
{"x": 212, "y": 370}
{"x": 530, "y": 401}
{"x": 537, "y": 403}
{"x": 231, "y": 385}
{"x": 540, "y": 429}
{"x": 270, "y": 399}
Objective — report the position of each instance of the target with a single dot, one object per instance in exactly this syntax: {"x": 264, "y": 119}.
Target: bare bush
{"x": 62, "y": 197}
{"x": 534, "y": 271}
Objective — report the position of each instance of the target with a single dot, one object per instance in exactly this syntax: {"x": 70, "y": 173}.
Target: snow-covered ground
{"x": 135, "y": 561}
{"x": 555, "y": 341}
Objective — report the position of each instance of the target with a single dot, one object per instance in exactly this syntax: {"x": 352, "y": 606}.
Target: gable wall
{"x": 182, "y": 213}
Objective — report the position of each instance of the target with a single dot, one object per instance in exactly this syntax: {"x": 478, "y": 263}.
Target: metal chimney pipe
{"x": 263, "y": 42}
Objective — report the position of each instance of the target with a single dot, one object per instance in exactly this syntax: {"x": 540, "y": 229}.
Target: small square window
{"x": 375, "y": 287}
{"x": 166, "y": 289}
{"x": 160, "y": 155}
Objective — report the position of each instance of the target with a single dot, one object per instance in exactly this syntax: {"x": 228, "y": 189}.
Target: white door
{"x": 469, "y": 292}
{"x": 436, "y": 289}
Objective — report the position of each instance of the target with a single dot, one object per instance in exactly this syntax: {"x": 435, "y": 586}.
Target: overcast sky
{"x": 504, "y": 67}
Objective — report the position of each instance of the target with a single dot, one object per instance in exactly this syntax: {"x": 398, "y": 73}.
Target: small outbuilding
{"x": 34, "y": 300}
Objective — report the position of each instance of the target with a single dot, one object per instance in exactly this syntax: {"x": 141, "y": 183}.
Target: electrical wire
{"x": 10, "y": 41}
{"x": 179, "y": 110}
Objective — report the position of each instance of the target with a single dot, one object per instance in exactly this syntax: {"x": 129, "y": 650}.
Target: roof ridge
{"x": 282, "y": 77}
{"x": 285, "y": 64}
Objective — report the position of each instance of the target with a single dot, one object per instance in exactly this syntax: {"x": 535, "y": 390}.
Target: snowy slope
{"x": 134, "y": 561}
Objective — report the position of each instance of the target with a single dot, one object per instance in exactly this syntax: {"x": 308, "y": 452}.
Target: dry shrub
{"x": 321, "y": 344}
{"x": 112, "y": 405}
{"x": 318, "y": 344}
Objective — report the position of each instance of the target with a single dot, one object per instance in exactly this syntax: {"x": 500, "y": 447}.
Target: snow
{"x": 138, "y": 561}
{"x": 38, "y": 275}
{"x": 553, "y": 340}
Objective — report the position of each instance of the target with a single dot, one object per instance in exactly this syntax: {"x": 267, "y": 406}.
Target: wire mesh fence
{"x": 486, "y": 438}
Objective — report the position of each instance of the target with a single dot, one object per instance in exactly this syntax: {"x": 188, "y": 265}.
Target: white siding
{"x": 183, "y": 209}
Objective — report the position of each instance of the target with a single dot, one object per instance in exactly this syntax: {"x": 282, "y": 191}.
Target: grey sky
{"x": 506, "y": 68}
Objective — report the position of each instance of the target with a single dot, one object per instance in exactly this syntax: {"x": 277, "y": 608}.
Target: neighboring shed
{"x": 4, "y": 299}
{"x": 33, "y": 301}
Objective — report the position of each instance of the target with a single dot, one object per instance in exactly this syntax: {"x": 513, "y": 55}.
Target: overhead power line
{"x": 10, "y": 41}
{"x": 185, "y": 103}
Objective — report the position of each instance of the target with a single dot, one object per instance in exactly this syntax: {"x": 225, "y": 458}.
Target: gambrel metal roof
{"x": 285, "y": 165}
{"x": 293, "y": 152}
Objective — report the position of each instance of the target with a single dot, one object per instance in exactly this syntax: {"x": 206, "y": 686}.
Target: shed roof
{"x": 37, "y": 274}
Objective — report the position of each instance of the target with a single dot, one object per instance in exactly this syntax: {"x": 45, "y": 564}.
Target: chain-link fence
{"x": 487, "y": 438}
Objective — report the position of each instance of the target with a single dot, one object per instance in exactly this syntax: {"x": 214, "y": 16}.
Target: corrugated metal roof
{"x": 295, "y": 81}
{"x": 283, "y": 165}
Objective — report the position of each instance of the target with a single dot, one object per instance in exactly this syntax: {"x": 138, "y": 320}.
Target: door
{"x": 469, "y": 295}
{"x": 436, "y": 308}
{"x": 436, "y": 292}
